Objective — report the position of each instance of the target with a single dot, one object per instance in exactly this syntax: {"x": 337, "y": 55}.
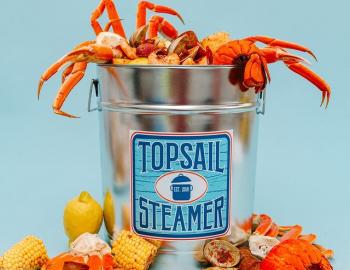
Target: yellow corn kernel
{"x": 132, "y": 252}
{"x": 155, "y": 242}
{"x": 28, "y": 254}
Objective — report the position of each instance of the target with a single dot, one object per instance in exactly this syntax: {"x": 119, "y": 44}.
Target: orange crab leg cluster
{"x": 90, "y": 51}
{"x": 80, "y": 57}
{"x": 264, "y": 225}
{"x": 77, "y": 73}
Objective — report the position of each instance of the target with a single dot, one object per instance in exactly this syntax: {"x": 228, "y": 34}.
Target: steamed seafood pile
{"x": 146, "y": 47}
{"x": 256, "y": 244}
{"x": 260, "y": 244}
{"x": 266, "y": 246}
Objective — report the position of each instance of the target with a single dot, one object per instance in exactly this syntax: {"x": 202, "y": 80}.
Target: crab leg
{"x": 73, "y": 79}
{"x": 113, "y": 18}
{"x": 265, "y": 223}
{"x": 309, "y": 237}
{"x": 144, "y": 5}
{"x": 328, "y": 253}
{"x": 81, "y": 56}
{"x": 274, "y": 54}
{"x": 67, "y": 72}
{"x": 52, "y": 70}
{"x": 293, "y": 62}
{"x": 273, "y": 42}
{"x": 293, "y": 233}
{"x": 159, "y": 24}
{"x": 247, "y": 224}
{"x": 274, "y": 230}
{"x": 312, "y": 77}
{"x": 91, "y": 53}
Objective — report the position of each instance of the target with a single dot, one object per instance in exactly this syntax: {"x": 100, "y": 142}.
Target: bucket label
{"x": 180, "y": 184}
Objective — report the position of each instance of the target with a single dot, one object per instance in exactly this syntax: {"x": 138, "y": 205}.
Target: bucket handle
{"x": 93, "y": 85}
{"x": 261, "y": 103}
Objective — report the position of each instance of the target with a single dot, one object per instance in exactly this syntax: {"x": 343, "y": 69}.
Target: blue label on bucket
{"x": 180, "y": 184}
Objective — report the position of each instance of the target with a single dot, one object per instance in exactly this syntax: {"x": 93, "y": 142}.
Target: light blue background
{"x": 303, "y": 161}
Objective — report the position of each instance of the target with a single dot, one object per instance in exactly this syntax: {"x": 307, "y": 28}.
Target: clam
{"x": 221, "y": 253}
{"x": 192, "y": 53}
{"x": 261, "y": 245}
{"x": 139, "y": 36}
{"x": 187, "y": 46}
{"x": 238, "y": 236}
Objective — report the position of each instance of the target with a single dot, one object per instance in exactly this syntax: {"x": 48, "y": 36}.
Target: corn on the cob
{"x": 131, "y": 251}
{"x": 155, "y": 242}
{"x": 28, "y": 254}
{"x": 1, "y": 263}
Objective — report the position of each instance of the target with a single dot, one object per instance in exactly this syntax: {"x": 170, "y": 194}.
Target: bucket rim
{"x": 232, "y": 107}
{"x": 179, "y": 67}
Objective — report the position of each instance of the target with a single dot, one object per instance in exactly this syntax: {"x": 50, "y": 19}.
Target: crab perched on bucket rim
{"x": 107, "y": 46}
{"x": 144, "y": 47}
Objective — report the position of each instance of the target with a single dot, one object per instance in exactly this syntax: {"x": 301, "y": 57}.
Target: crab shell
{"x": 67, "y": 261}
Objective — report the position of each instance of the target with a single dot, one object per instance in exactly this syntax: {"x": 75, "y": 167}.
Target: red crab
{"x": 67, "y": 261}
{"x": 254, "y": 62}
{"x": 295, "y": 254}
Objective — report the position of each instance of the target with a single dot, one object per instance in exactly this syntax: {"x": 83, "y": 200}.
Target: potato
{"x": 215, "y": 41}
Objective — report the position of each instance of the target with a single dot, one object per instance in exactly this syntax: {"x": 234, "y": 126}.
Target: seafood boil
{"x": 175, "y": 182}
{"x": 129, "y": 251}
{"x": 264, "y": 245}
{"x": 145, "y": 47}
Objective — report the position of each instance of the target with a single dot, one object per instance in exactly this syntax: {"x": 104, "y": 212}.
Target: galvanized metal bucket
{"x": 159, "y": 123}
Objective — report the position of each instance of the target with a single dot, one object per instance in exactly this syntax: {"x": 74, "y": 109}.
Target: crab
{"x": 253, "y": 62}
{"x": 262, "y": 230}
{"x": 107, "y": 45}
{"x": 88, "y": 252}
